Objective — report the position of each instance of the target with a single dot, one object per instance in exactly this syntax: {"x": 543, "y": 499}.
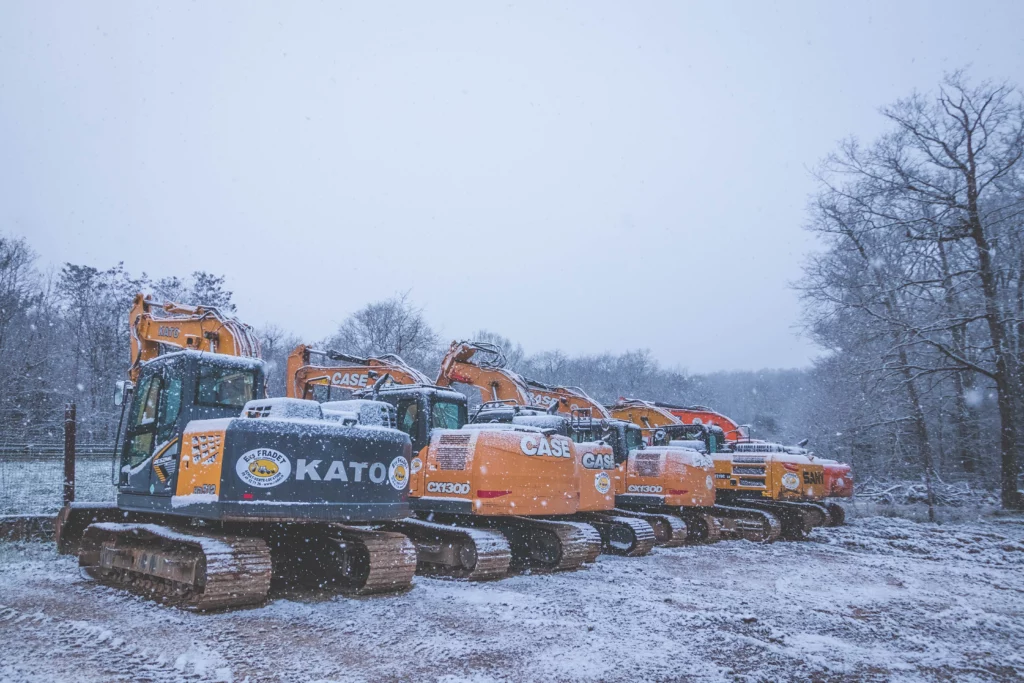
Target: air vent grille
{"x": 648, "y": 464}
{"x": 453, "y": 451}
{"x": 206, "y": 448}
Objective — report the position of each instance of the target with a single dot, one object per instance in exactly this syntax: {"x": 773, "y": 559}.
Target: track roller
{"x": 798, "y": 519}
{"x": 549, "y": 545}
{"x": 751, "y": 524}
{"x": 461, "y": 552}
{"x": 701, "y": 526}
{"x": 186, "y": 568}
{"x": 670, "y": 530}
{"x": 350, "y": 559}
{"x": 629, "y": 536}
{"x": 836, "y": 514}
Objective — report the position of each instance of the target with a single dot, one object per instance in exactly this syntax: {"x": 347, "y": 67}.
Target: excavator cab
{"x": 623, "y": 437}
{"x": 172, "y": 391}
{"x": 422, "y": 409}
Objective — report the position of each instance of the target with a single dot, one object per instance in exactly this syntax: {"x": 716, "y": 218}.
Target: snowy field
{"x": 36, "y": 486}
{"x": 882, "y": 599}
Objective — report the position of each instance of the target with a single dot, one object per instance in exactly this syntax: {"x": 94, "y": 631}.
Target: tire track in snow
{"x": 65, "y": 641}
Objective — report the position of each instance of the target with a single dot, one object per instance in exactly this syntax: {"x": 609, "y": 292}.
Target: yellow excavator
{"x": 755, "y": 476}
{"x": 665, "y": 474}
{"x": 221, "y": 490}
{"x": 488, "y": 498}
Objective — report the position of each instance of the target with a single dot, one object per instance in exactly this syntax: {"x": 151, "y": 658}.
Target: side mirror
{"x": 123, "y": 388}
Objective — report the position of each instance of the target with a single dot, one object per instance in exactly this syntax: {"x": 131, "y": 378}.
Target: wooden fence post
{"x": 69, "y": 453}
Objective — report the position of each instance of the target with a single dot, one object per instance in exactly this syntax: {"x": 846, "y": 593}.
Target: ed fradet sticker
{"x": 790, "y": 481}
{"x": 417, "y": 465}
{"x": 602, "y": 482}
{"x": 398, "y": 473}
{"x": 263, "y": 467}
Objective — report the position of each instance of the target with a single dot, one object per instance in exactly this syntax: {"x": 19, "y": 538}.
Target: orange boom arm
{"x": 309, "y": 367}
{"x": 154, "y": 325}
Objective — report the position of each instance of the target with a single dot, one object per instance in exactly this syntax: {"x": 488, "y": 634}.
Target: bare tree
{"x": 919, "y": 228}
{"x": 199, "y": 289}
{"x": 276, "y": 344}
{"x": 394, "y": 325}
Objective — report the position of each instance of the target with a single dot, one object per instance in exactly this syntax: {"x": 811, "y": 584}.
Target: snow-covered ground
{"x": 882, "y": 599}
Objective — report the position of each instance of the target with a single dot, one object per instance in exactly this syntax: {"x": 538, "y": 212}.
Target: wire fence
{"x": 32, "y": 476}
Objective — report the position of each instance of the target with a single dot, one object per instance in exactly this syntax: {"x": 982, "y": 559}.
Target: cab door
{"x": 149, "y": 458}
{"x": 140, "y": 436}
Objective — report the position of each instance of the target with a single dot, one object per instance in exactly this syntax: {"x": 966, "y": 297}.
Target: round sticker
{"x": 417, "y": 465}
{"x": 263, "y": 467}
{"x": 602, "y": 482}
{"x": 709, "y": 482}
{"x": 398, "y": 473}
{"x": 790, "y": 481}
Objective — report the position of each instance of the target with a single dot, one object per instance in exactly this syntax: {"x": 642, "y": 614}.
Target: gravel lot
{"x": 881, "y": 599}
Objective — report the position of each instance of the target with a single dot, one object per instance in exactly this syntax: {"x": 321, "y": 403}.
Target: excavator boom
{"x": 308, "y": 368}
{"x": 154, "y": 326}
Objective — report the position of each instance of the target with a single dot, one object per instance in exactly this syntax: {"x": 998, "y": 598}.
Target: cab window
{"x": 446, "y": 415}
{"x": 140, "y": 444}
{"x": 408, "y": 412}
{"x": 634, "y": 439}
{"x": 322, "y": 393}
{"x": 170, "y": 403}
{"x": 225, "y": 387}
{"x": 145, "y": 412}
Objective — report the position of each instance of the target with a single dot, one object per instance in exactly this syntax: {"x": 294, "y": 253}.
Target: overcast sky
{"x": 584, "y": 176}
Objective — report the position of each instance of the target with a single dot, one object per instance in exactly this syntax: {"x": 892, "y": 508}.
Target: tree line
{"x": 918, "y": 291}
{"x": 916, "y": 294}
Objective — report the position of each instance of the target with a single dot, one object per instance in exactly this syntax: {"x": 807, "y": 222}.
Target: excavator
{"x": 155, "y": 328}
{"x": 752, "y": 475}
{"x": 671, "y": 487}
{"x": 706, "y": 520}
{"x": 602, "y": 471}
{"x": 324, "y": 375}
{"x": 836, "y": 480}
{"x": 488, "y": 498}
{"x": 221, "y": 491}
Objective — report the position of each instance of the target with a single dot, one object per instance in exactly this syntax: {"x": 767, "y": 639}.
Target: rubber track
{"x": 836, "y": 514}
{"x": 698, "y": 521}
{"x": 641, "y": 533}
{"x": 797, "y": 518}
{"x": 236, "y": 570}
{"x": 675, "y": 526}
{"x": 643, "y": 536}
{"x": 822, "y": 508}
{"x": 391, "y": 558}
{"x": 771, "y": 527}
{"x": 579, "y": 543}
{"x": 493, "y": 553}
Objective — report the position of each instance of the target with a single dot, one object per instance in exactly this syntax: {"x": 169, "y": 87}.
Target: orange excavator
{"x": 670, "y": 487}
{"x": 222, "y": 490}
{"x": 324, "y": 376}
{"x": 749, "y": 474}
{"x": 488, "y": 497}
{"x": 506, "y": 401}
{"x": 836, "y": 480}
